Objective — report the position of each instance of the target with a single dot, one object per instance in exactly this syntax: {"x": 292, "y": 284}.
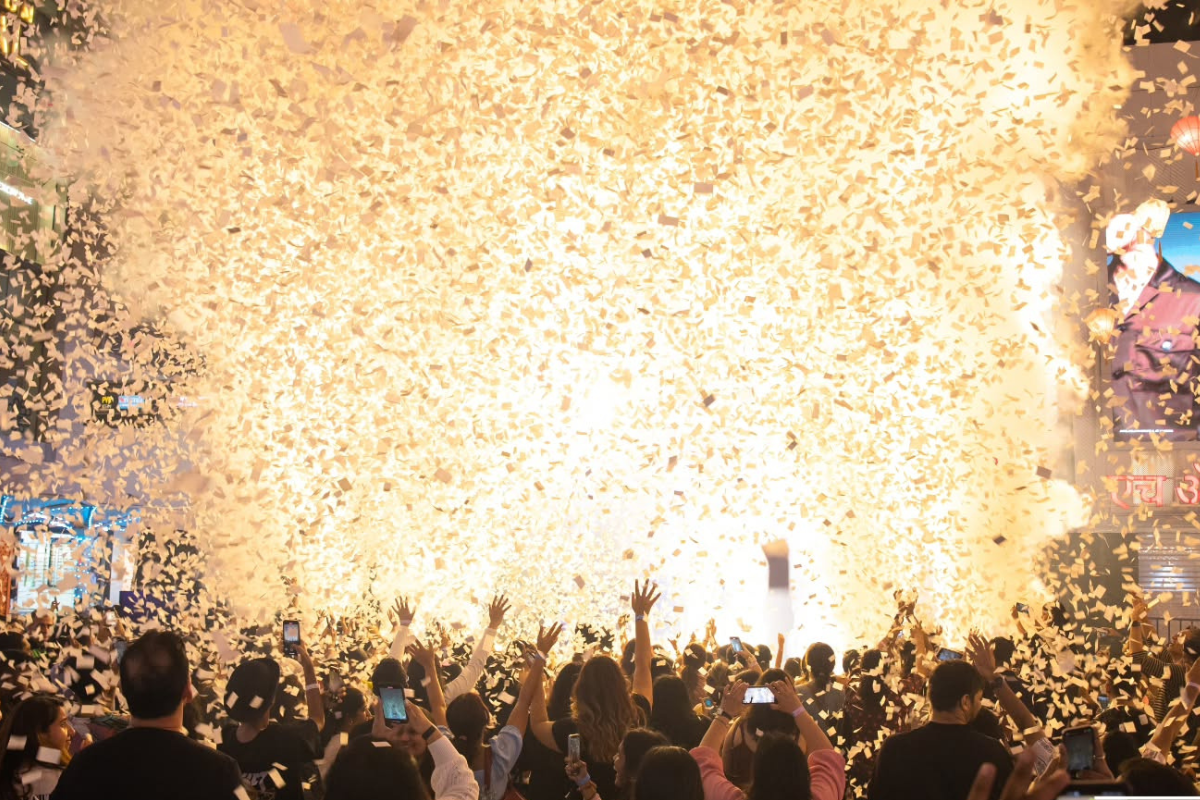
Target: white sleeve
{"x": 452, "y": 778}
{"x": 402, "y": 639}
{"x": 506, "y": 749}
{"x": 471, "y": 673}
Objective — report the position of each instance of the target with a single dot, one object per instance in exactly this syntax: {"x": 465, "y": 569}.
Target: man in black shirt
{"x": 153, "y": 758}
{"x": 940, "y": 760}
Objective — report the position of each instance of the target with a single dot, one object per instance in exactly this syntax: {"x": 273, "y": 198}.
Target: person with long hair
{"x": 780, "y": 768}
{"x": 870, "y": 714}
{"x": 602, "y": 712}
{"x": 673, "y": 715}
{"x": 468, "y": 717}
{"x": 823, "y": 699}
{"x": 351, "y": 712}
{"x": 366, "y": 771}
{"x": 666, "y": 773}
{"x": 36, "y": 726}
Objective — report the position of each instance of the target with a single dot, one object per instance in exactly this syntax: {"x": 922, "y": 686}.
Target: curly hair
{"x": 603, "y": 707}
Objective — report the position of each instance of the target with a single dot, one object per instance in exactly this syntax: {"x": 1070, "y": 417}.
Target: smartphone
{"x": 1080, "y": 744}
{"x": 736, "y": 644}
{"x": 110, "y": 618}
{"x": 395, "y": 709}
{"x": 946, "y": 654}
{"x": 759, "y": 696}
{"x": 1102, "y": 700}
{"x": 1096, "y": 789}
{"x": 573, "y": 747}
{"x": 291, "y": 637}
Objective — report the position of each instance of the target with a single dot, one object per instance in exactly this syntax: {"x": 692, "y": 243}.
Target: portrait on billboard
{"x": 1154, "y": 280}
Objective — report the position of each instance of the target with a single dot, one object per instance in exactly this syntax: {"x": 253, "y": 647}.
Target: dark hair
{"x": 467, "y": 717}
{"x": 388, "y": 672}
{"x": 636, "y": 744}
{"x": 627, "y": 664}
{"x": 770, "y": 676}
{"x": 31, "y": 717}
{"x": 672, "y": 712}
{"x": 850, "y": 660}
{"x": 950, "y": 682}
{"x": 353, "y": 702}
{"x": 13, "y": 641}
{"x": 794, "y": 667}
{"x": 989, "y": 724}
{"x": 559, "y": 706}
{"x": 780, "y": 770}
{"x": 1191, "y": 644}
{"x": 870, "y": 686}
{"x": 1145, "y": 777}
{"x": 1003, "y": 649}
{"x": 154, "y": 675}
{"x": 668, "y": 773}
{"x": 818, "y": 664}
{"x": 1119, "y": 747}
{"x": 364, "y": 770}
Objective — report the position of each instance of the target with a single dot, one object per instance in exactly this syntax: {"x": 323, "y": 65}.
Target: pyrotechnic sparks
{"x": 544, "y": 295}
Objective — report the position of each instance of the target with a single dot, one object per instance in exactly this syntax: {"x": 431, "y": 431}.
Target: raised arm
{"x": 979, "y": 651}
{"x": 1177, "y": 715}
{"x": 471, "y": 673}
{"x": 731, "y": 709}
{"x": 644, "y": 598}
{"x": 779, "y": 653}
{"x": 403, "y": 615}
{"x": 427, "y": 658}
{"x": 532, "y": 687}
{"x": 788, "y": 702}
{"x": 539, "y": 722}
{"x": 312, "y": 688}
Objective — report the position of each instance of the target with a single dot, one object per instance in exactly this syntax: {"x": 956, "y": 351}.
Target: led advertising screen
{"x": 1153, "y": 346}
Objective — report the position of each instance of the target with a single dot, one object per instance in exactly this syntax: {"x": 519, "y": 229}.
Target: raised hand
{"x": 644, "y": 597}
{"x": 979, "y": 651}
{"x": 786, "y": 699}
{"x": 423, "y": 655}
{"x": 548, "y": 637}
{"x": 496, "y": 611}
{"x": 405, "y": 614}
{"x": 733, "y": 701}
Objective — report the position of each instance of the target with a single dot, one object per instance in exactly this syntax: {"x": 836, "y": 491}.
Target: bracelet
{"x": 725, "y": 715}
{"x": 583, "y": 780}
{"x": 310, "y": 687}
{"x": 639, "y": 618}
{"x": 799, "y": 710}
{"x": 429, "y": 733}
{"x": 1195, "y": 686}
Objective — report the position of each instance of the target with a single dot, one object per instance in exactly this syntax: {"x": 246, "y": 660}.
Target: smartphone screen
{"x": 395, "y": 709}
{"x": 736, "y": 644}
{"x": 946, "y": 654}
{"x": 291, "y": 632}
{"x": 759, "y": 695}
{"x": 573, "y": 747}
{"x": 1081, "y": 749}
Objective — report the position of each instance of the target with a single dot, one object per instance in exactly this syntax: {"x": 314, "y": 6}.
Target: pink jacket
{"x": 826, "y": 768}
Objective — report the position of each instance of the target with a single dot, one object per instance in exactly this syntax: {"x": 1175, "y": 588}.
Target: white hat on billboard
{"x": 1122, "y": 232}
{"x": 1152, "y": 215}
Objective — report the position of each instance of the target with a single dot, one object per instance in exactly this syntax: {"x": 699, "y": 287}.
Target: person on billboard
{"x": 1156, "y": 362}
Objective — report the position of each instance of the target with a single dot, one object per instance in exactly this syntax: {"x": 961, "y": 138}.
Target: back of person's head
{"x": 602, "y": 707}
{"x": 627, "y": 658}
{"x": 672, "y": 712}
{"x": 668, "y": 773}
{"x": 20, "y": 737}
{"x": 780, "y": 770}
{"x": 870, "y": 681}
{"x": 794, "y": 667}
{"x": 1003, "y": 649}
{"x": 771, "y": 676}
{"x": 819, "y": 663}
{"x": 762, "y": 654}
{"x": 1144, "y": 777}
{"x": 908, "y": 658}
{"x": 13, "y": 642}
{"x": 559, "y": 706}
{"x": 636, "y": 744}
{"x": 353, "y": 703}
{"x": 695, "y": 656}
{"x": 467, "y": 717}
{"x": 1191, "y": 644}
{"x": 1119, "y": 747}
{"x": 989, "y": 724}
{"x": 371, "y": 769}
{"x": 388, "y": 672}
{"x": 154, "y": 675}
{"x": 850, "y": 661}
{"x": 950, "y": 682}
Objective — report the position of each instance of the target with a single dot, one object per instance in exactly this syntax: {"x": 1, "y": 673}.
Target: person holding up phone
{"x": 451, "y": 779}
{"x": 825, "y": 766}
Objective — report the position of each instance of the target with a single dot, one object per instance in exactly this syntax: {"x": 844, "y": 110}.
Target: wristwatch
{"x": 997, "y": 682}
{"x": 429, "y": 733}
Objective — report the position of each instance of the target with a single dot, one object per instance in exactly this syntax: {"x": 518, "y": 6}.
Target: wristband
{"x": 583, "y": 780}
{"x": 725, "y": 715}
{"x": 429, "y": 733}
{"x": 798, "y": 712}
{"x": 310, "y": 687}
{"x": 639, "y": 618}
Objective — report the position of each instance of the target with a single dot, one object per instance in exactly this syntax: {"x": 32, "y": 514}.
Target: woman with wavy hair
{"x": 602, "y": 712}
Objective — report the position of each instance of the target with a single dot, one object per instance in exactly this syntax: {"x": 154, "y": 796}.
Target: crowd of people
{"x": 98, "y": 706}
